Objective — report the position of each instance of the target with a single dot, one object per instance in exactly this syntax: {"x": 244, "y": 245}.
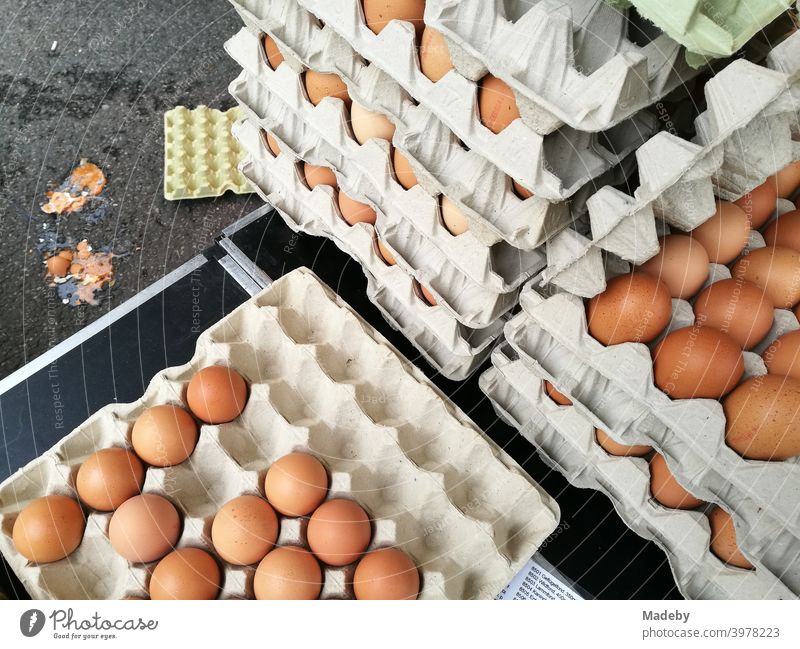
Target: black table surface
{"x": 592, "y": 546}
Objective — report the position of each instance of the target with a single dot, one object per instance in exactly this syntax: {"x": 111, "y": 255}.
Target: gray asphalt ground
{"x": 101, "y": 94}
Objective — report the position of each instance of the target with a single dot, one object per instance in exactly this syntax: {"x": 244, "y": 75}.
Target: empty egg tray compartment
{"x": 464, "y": 298}
{"x": 200, "y": 156}
{"x": 321, "y": 381}
{"x": 483, "y": 192}
{"x": 451, "y": 347}
{"x": 613, "y": 387}
{"x": 567, "y": 61}
{"x": 709, "y": 29}
{"x": 743, "y": 138}
{"x": 566, "y": 441}
{"x": 553, "y": 167}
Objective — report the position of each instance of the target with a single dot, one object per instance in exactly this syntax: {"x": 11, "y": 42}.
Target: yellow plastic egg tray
{"x": 201, "y": 157}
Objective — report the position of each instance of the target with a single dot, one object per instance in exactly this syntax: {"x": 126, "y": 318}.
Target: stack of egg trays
{"x": 566, "y": 441}
{"x": 322, "y": 381}
{"x": 473, "y": 285}
{"x": 709, "y": 30}
{"x": 749, "y": 132}
{"x": 442, "y": 165}
{"x": 453, "y": 349}
{"x": 567, "y": 61}
{"x": 613, "y": 388}
{"x": 200, "y": 156}
{"x": 554, "y": 167}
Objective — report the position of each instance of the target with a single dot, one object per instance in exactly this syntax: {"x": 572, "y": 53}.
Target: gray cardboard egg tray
{"x": 496, "y": 215}
{"x": 567, "y": 61}
{"x": 749, "y": 132}
{"x": 323, "y": 381}
{"x": 613, "y": 387}
{"x": 476, "y": 285}
{"x": 450, "y": 347}
{"x": 554, "y": 167}
{"x": 566, "y": 441}
{"x": 465, "y": 299}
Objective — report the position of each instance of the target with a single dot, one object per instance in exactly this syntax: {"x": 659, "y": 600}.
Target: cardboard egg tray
{"x": 450, "y": 347}
{"x": 568, "y": 62}
{"x": 715, "y": 29}
{"x": 613, "y": 387}
{"x": 200, "y": 156}
{"x": 410, "y": 220}
{"x": 552, "y": 167}
{"x": 749, "y": 132}
{"x": 496, "y": 215}
{"x": 566, "y": 441}
{"x": 323, "y": 381}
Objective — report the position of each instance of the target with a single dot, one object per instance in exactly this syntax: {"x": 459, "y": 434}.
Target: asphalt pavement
{"x": 92, "y": 80}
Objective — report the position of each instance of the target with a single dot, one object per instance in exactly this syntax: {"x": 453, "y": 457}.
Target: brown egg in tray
{"x": 636, "y": 481}
{"x": 666, "y": 396}
{"x": 319, "y": 381}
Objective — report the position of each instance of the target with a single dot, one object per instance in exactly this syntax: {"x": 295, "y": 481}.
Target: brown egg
{"x": 633, "y": 308}
{"x": 725, "y": 234}
{"x": 354, "y": 211}
{"x": 319, "y": 176}
{"x": 109, "y": 477}
{"x": 186, "y": 573}
{"x": 555, "y": 395}
{"x": 288, "y": 573}
{"x": 320, "y": 85}
{"x": 144, "y": 528}
{"x": 453, "y": 218}
{"x": 612, "y": 447}
{"x": 759, "y": 204}
{"x": 48, "y": 529}
{"x": 434, "y": 55}
{"x": 762, "y": 421}
{"x": 385, "y": 253}
{"x": 497, "y": 105}
{"x": 521, "y": 191}
{"x": 782, "y": 357}
{"x": 296, "y": 484}
{"x": 339, "y": 532}
{"x": 403, "y": 171}
{"x": 787, "y": 180}
{"x": 784, "y": 231}
{"x": 379, "y": 13}
{"x": 164, "y": 435}
{"x": 244, "y": 530}
{"x": 387, "y": 573}
{"x": 273, "y": 145}
{"x": 682, "y": 264}
{"x": 776, "y": 271}
{"x": 665, "y": 488}
{"x": 368, "y": 125}
{"x": 427, "y": 296}
{"x": 697, "y": 363}
{"x": 57, "y": 265}
{"x": 274, "y": 56}
{"x": 738, "y": 308}
{"x": 723, "y": 539}
{"x": 217, "y": 394}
